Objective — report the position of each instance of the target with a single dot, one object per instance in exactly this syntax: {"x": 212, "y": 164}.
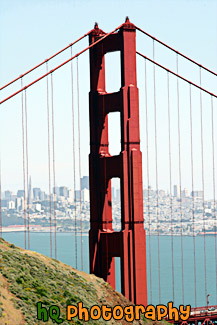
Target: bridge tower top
{"x": 105, "y": 243}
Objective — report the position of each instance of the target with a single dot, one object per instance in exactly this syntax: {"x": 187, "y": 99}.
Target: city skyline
{"x": 186, "y": 37}
{"x": 62, "y": 190}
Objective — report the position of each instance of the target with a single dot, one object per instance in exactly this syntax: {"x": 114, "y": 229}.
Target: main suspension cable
{"x": 61, "y": 65}
{"x": 54, "y": 169}
{"x": 175, "y": 74}
{"x": 79, "y": 158}
{"x": 177, "y": 52}
{"x": 193, "y": 203}
{"x": 24, "y": 176}
{"x": 148, "y": 179}
{"x": 45, "y": 61}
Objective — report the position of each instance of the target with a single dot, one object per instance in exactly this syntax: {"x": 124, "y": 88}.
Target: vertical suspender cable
{"x": 214, "y": 193}
{"x": 54, "y": 169}
{"x": 24, "y": 176}
{"x": 193, "y": 203}
{"x": 170, "y": 173}
{"x": 79, "y": 157}
{"x": 156, "y": 171}
{"x": 73, "y": 144}
{"x": 202, "y": 179}
{"x": 49, "y": 175}
{"x": 180, "y": 179}
{"x": 27, "y": 169}
{"x": 148, "y": 179}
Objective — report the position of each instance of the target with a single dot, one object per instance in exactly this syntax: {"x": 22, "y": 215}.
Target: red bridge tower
{"x": 130, "y": 243}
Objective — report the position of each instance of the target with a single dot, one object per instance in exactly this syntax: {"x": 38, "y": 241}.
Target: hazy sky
{"x": 31, "y": 31}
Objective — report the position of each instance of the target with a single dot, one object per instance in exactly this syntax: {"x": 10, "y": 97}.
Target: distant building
{"x": 36, "y": 193}
{"x": 11, "y": 205}
{"x": 70, "y": 194}
{"x": 85, "y": 182}
{"x": 77, "y": 195}
{"x": 42, "y": 196}
{"x": 56, "y": 190}
{"x": 198, "y": 194}
{"x": 162, "y": 193}
{"x": 177, "y": 191}
{"x": 20, "y": 193}
{"x": 37, "y": 207}
{"x": 185, "y": 192}
{"x": 85, "y": 195}
{"x": 18, "y": 203}
{"x": 8, "y": 195}
{"x": 63, "y": 191}
{"x": 4, "y": 203}
{"x": 30, "y": 192}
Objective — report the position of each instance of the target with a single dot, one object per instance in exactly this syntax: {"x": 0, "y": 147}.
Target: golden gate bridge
{"x": 130, "y": 242}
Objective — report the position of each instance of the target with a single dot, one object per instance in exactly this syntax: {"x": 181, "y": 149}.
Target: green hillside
{"x": 27, "y": 277}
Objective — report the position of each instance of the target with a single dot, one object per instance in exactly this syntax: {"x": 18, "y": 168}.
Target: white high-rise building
{"x": 11, "y": 205}
{"x": 85, "y": 195}
{"x": 30, "y": 191}
{"x": 71, "y": 196}
{"x": 177, "y": 190}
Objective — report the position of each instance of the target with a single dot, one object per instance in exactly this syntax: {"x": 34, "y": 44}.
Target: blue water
{"x": 40, "y": 242}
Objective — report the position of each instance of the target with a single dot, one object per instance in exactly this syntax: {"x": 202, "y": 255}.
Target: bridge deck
{"x": 203, "y": 315}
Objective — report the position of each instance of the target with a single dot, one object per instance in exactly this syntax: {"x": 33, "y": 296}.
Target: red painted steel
{"x": 130, "y": 243}
{"x": 200, "y": 315}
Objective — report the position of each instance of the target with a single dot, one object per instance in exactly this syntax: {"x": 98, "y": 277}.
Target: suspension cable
{"x": 175, "y": 74}
{"x": 156, "y": 172}
{"x": 61, "y": 65}
{"x": 180, "y": 180}
{"x": 74, "y": 163}
{"x": 45, "y": 61}
{"x": 170, "y": 173}
{"x": 214, "y": 191}
{"x": 54, "y": 169}
{"x": 27, "y": 168}
{"x": 202, "y": 180}
{"x": 79, "y": 157}
{"x": 49, "y": 173}
{"x": 24, "y": 179}
{"x": 178, "y": 53}
{"x": 193, "y": 203}
{"x": 148, "y": 179}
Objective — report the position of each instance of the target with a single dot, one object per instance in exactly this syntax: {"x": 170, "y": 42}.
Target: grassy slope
{"x": 27, "y": 277}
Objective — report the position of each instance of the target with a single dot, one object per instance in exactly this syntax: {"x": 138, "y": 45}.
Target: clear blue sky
{"x": 31, "y": 31}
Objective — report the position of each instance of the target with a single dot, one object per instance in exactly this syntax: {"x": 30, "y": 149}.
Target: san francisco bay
{"x": 40, "y": 242}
